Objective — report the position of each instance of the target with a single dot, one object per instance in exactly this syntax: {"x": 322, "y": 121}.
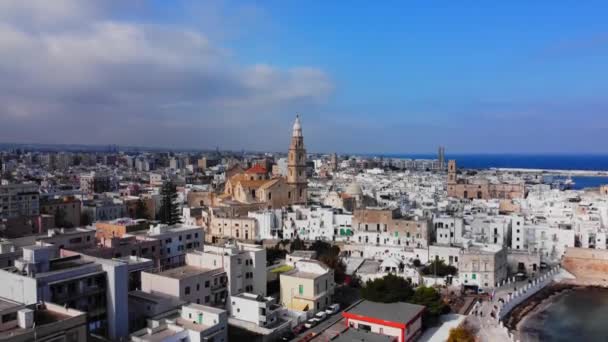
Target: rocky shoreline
{"x": 535, "y": 303}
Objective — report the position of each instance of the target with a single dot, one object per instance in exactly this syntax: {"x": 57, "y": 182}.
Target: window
{"x": 206, "y": 299}
{"x": 207, "y": 283}
{"x": 187, "y": 290}
{"x": 9, "y": 317}
{"x": 198, "y": 287}
{"x": 301, "y": 289}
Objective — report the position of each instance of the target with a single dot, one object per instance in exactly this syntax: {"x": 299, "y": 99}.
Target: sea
{"x": 578, "y": 315}
{"x": 586, "y": 162}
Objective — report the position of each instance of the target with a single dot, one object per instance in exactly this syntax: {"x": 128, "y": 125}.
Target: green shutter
{"x": 301, "y": 289}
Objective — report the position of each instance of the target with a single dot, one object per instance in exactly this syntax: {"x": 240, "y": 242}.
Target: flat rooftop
{"x": 6, "y": 304}
{"x": 185, "y": 272}
{"x": 362, "y": 336}
{"x": 393, "y": 312}
{"x": 301, "y": 274}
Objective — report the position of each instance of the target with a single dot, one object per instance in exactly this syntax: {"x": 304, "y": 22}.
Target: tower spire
{"x": 297, "y": 127}
{"x": 296, "y": 165}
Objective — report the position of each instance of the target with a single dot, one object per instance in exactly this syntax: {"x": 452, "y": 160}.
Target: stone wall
{"x": 589, "y": 266}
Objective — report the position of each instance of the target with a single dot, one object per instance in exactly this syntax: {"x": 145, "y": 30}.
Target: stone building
{"x": 255, "y": 186}
{"x": 387, "y": 226}
{"x": 482, "y": 265}
{"x": 481, "y": 188}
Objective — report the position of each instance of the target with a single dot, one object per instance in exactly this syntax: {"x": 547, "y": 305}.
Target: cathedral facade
{"x": 255, "y": 187}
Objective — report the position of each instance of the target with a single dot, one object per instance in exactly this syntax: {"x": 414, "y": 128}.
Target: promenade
{"x": 486, "y": 315}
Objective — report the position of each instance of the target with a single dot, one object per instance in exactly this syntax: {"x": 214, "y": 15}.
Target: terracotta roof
{"x": 253, "y": 183}
{"x": 270, "y": 183}
{"x": 257, "y": 168}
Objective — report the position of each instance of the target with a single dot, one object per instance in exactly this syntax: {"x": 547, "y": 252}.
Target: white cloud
{"x": 71, "y": 66}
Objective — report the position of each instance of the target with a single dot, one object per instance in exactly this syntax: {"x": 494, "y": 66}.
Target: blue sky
{"x": 403, "y": 77}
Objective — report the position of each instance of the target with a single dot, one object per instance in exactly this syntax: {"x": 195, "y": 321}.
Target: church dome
{"x": 354, "y": 189}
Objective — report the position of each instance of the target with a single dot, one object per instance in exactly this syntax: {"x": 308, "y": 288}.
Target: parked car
{"x": 311, "y": 323}
{"x": 332, "y": 309}
{"x": 288, "y": 336}
{"x": 321, "y": 316}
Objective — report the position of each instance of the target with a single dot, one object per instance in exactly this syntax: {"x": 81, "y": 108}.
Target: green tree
{"x": 439, "y": 268}
{"x": 296, "y": 245}
{"x": 389, "y": 289}
{"x": 431, "y": 299}
{"x": 274, "y": 253}
{"x": 330, "y": 255}
{"x": 462, "y": 333}
{"x": 169, "y": 208}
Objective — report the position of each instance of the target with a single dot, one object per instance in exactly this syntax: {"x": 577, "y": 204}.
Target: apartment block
{"x": 242, "y": 263}
{"x": 189, "y": 283}
{"x": 17, "y": 200}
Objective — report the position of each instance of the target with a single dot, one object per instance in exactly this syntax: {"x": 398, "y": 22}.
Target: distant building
{"x": 481, "y": 188}
{"x": 68, "y": 208}
{"x": 95, "y": 182}
{"x": 19, "y": 200}
{"x": 254, "y": 186}
{"x": 441, "y": 158}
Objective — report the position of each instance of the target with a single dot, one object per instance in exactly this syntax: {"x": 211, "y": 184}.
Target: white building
{"x": 175, "y": 241}
{"x": 315, "y": 223}
{"x": 249, "y": 307}
{"x": 549, "y": 242}
{"x": 448, "y": 229}
{"x": 193, "y": 323}
{"x": 242, "y": 263}
{"x": 270, "y": 223}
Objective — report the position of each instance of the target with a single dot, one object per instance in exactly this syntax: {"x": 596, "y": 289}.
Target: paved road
{"x": 328, "y": 325}
{"x": 488, "y": 327}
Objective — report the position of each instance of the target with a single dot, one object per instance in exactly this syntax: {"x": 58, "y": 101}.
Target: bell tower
{"x": 296, "y": 165}
{"x": 452, "y": 172}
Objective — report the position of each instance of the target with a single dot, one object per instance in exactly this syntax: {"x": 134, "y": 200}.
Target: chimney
{"x": 25, "y": 318}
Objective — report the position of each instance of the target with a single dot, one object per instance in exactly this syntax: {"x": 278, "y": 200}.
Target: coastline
{"x": 526, "y": 320}
{"x": 540, "y": 300}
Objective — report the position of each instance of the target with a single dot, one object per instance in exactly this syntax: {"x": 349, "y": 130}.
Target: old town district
{"x": 127, "y": 245}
